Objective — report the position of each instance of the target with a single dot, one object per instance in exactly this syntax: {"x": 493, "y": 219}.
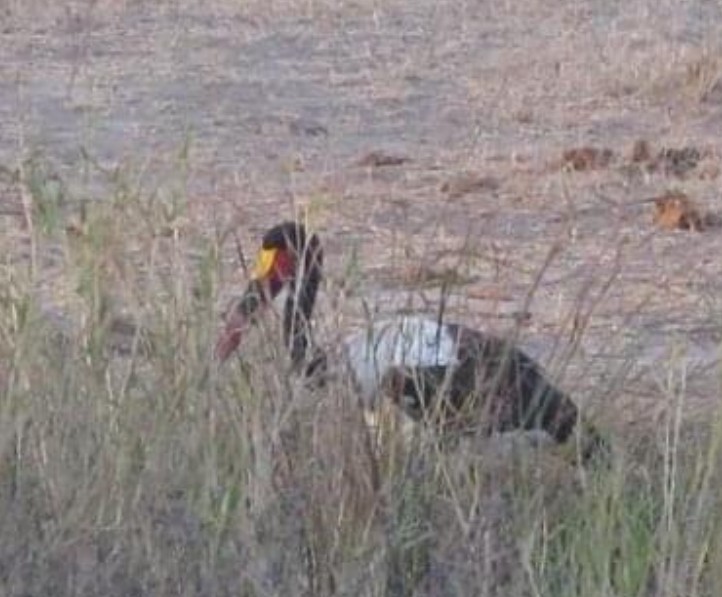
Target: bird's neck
{"x": 297, "y": 331}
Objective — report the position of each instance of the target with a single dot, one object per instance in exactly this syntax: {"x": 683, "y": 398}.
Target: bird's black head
{"x": 285, "y": 236}
{"x": 289, "y": 256}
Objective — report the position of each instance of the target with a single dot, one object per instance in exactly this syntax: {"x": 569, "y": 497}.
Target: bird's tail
{"x": 589, "y": 446}
{"x": 560, "y": 417}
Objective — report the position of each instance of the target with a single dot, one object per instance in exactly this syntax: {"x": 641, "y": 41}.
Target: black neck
{"x": 297, "y": 332}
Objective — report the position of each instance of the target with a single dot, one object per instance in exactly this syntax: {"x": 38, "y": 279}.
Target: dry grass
{"x": 132, "y": 466}
{"x": 146, "y": 145}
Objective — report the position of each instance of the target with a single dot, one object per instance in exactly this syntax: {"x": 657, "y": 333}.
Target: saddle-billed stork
{"x": 446, "y": 374}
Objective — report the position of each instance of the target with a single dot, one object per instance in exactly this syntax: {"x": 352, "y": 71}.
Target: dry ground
{"x": 279, "y": 102}
{"x": 248, "y": 113}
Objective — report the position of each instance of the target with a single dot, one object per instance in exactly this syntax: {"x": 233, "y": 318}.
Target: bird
{"x": 445, "y": 375}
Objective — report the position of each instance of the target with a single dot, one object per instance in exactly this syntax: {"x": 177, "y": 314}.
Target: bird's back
{"x": 384, "y": 345}
{"x": 456, "y": 376}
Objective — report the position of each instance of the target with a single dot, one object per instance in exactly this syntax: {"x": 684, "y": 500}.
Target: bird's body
{"x": 455, "y": 377}
{"x": 446, "y": 375}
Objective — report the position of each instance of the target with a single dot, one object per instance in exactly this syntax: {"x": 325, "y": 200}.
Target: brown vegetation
{"x": 675, "y": 210}
{"x": 587, "y": 158}
{"x": 674, "y": 161}
{"x": 641, "y": 151}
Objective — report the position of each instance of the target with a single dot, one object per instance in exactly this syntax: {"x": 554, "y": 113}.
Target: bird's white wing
{"x": 403, "y": 342}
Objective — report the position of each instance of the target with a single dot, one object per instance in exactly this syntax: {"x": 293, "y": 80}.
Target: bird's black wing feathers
{"x": 493, "y": 386}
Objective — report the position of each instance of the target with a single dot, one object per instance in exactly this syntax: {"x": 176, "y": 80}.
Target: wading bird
{"x": 444, "y": 374}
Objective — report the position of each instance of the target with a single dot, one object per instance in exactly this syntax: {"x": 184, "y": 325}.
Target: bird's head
{"x": 288, "y": 258}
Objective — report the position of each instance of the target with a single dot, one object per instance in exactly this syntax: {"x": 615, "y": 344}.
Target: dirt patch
{"x": 379, "y": 159}
{"x": 587, "y": 158}
{"x": 466, "y": 183}
{"x": 678, "y": 161}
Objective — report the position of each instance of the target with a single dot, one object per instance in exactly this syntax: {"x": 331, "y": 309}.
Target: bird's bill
{"x": 239, "y": 319}
{"x": 229, "y": 339}
{"x": 264, "y": 285}
{"x": 264, "y": 264}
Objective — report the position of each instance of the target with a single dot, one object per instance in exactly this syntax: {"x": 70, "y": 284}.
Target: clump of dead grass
{"x": 675, "y": 210}
{"x": 695, "y": 76}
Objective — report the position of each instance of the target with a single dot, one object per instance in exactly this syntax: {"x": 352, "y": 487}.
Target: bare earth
{"x": 280, "y": 104}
